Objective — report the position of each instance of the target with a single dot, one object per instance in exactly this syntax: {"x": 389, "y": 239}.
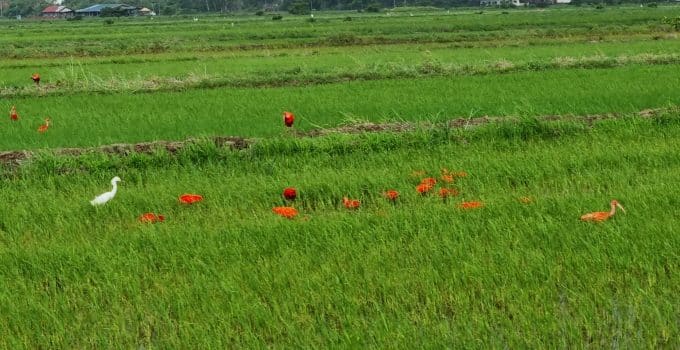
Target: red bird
{"x": 286, "y": 212}
{"x": 13, "y": 114}
{"x": 391, "y": 195}
{"x": 45, "y": 126}
{"x": 471, "y": 205}
{"x": 289, "y": 193}
{"x": 36, "y": 78}
{"x": 190, "y": 198}
{"x": 350, "y": 203}
{"x": 151, "y": 218}
{"x": 603, "y": 215}
{"x": 288, "y": 119}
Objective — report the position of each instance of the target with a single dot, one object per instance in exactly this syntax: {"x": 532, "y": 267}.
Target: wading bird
{"x": 107, "y": 196}
{"x": 151, "y": 218}
{"x": 289, "y": 193}
{"x": 45, "y": 126}
{"x": 392, "y": 195}
{"x": 36, "y": 78}
{"x": 190, "y": 198}
{"x": 351, "y": 203}
{"x": 13, "y": 114}
{"x": 603, "y": 215}
{"x": 286, "y": 212}
{"x": 288, "y": 119}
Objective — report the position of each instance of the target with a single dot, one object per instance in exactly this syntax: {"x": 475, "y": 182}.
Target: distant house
{"x": 500, "y": 2}
{"x": 547, "y": 2}
{"x": 144, "y": 11}
{"x": 57, "y": 11}
{"x": 96, "y": 10}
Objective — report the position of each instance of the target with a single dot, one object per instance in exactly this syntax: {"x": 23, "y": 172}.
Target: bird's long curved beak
{"x": 621, "y": 207}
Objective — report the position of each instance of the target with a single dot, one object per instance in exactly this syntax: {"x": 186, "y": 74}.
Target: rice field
{"x": 557, "y": 112}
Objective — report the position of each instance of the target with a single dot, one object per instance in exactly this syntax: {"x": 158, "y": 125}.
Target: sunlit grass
{"x": 419, "y": 270}
{"x": 521, "y": 272}
{"x": 87, "y": 120}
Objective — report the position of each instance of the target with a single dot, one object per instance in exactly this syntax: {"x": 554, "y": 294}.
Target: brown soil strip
{"x": 15, "y": 158}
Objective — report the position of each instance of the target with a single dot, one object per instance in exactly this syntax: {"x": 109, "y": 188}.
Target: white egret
{"x": 107, "y": 196}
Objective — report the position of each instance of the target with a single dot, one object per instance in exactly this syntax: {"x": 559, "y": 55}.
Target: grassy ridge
{"x": 317, "y": 61}
{"x": 88, "y": 120}
{"x": 421, "y": 271}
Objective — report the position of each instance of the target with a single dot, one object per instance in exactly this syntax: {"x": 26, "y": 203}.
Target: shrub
{"x": 259, "y": 13}
{"x": 108, "y": 21}
{"x": 342, "y": 39}
{"x": 374, "y": 7}
{"x": 652, "y": 4}
{"x": 75, "y": 18}
{"x": 674, "y": 22}
{"x": 299, "y": 7}
{"x": 348, "y": 19}
{"x": 277, "y": 17}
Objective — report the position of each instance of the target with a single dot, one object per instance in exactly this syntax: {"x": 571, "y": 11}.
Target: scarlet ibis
{"x": 424, "y": 188}
{"x": 286, "y": 212}
{"x": 470, "y": 205}
{"x": 13, "y": 114}
{"x": 391, "y": 195}
{"x": 36, "y": 78}
{"x": 45, "y": 126}
{"x": 289, "y": 193}
{"x": 447, "y": 192}
{"x": 190, "y": 198}
{"x": 151, "y": 218}
{"x": 350, "y": 203}
{"x": 288, "y": 119}
{"x": 603, "y": 215}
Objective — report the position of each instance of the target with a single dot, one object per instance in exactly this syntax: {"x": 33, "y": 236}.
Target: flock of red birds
{"x": 184, "y": 199}
{"x": 14, "y": 115}
{"x": 424, "y": 188}
{"x": 426, "y": 185}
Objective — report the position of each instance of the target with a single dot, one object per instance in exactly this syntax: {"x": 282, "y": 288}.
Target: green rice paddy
{"x": 520, "y": 272}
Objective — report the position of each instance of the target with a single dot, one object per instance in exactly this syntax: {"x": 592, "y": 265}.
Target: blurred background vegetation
{"x": 13, "y": 8}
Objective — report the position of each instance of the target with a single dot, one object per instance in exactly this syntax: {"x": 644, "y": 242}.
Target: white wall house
{"x": 500, "y": 2}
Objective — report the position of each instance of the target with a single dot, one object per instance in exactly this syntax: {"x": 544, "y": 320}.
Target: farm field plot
{"x": 419, "y": 270}
{"x": 497, "y": 131}
{"x": 524, "y": 63}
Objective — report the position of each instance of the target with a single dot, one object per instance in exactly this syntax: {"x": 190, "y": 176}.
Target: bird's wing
{"x": 101, "y": 199}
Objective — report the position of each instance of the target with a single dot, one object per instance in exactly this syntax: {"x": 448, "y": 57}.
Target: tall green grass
{"x": 227, "y": 272}
{"x": 269, "y": 65}
{"x": 89, "y": 119}
{"x": 88, "y": 38}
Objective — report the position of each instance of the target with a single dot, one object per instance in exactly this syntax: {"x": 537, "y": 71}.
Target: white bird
{"x": 107, "y": 196}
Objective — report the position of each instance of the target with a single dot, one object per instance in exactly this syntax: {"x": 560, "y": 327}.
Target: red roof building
{"x": 57, "y": 11}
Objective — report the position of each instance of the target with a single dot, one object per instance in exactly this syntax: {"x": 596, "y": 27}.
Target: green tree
{"x": 299, "y": 7}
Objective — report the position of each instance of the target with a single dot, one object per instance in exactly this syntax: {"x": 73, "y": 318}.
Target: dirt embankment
{"x": 15, "y": 158}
